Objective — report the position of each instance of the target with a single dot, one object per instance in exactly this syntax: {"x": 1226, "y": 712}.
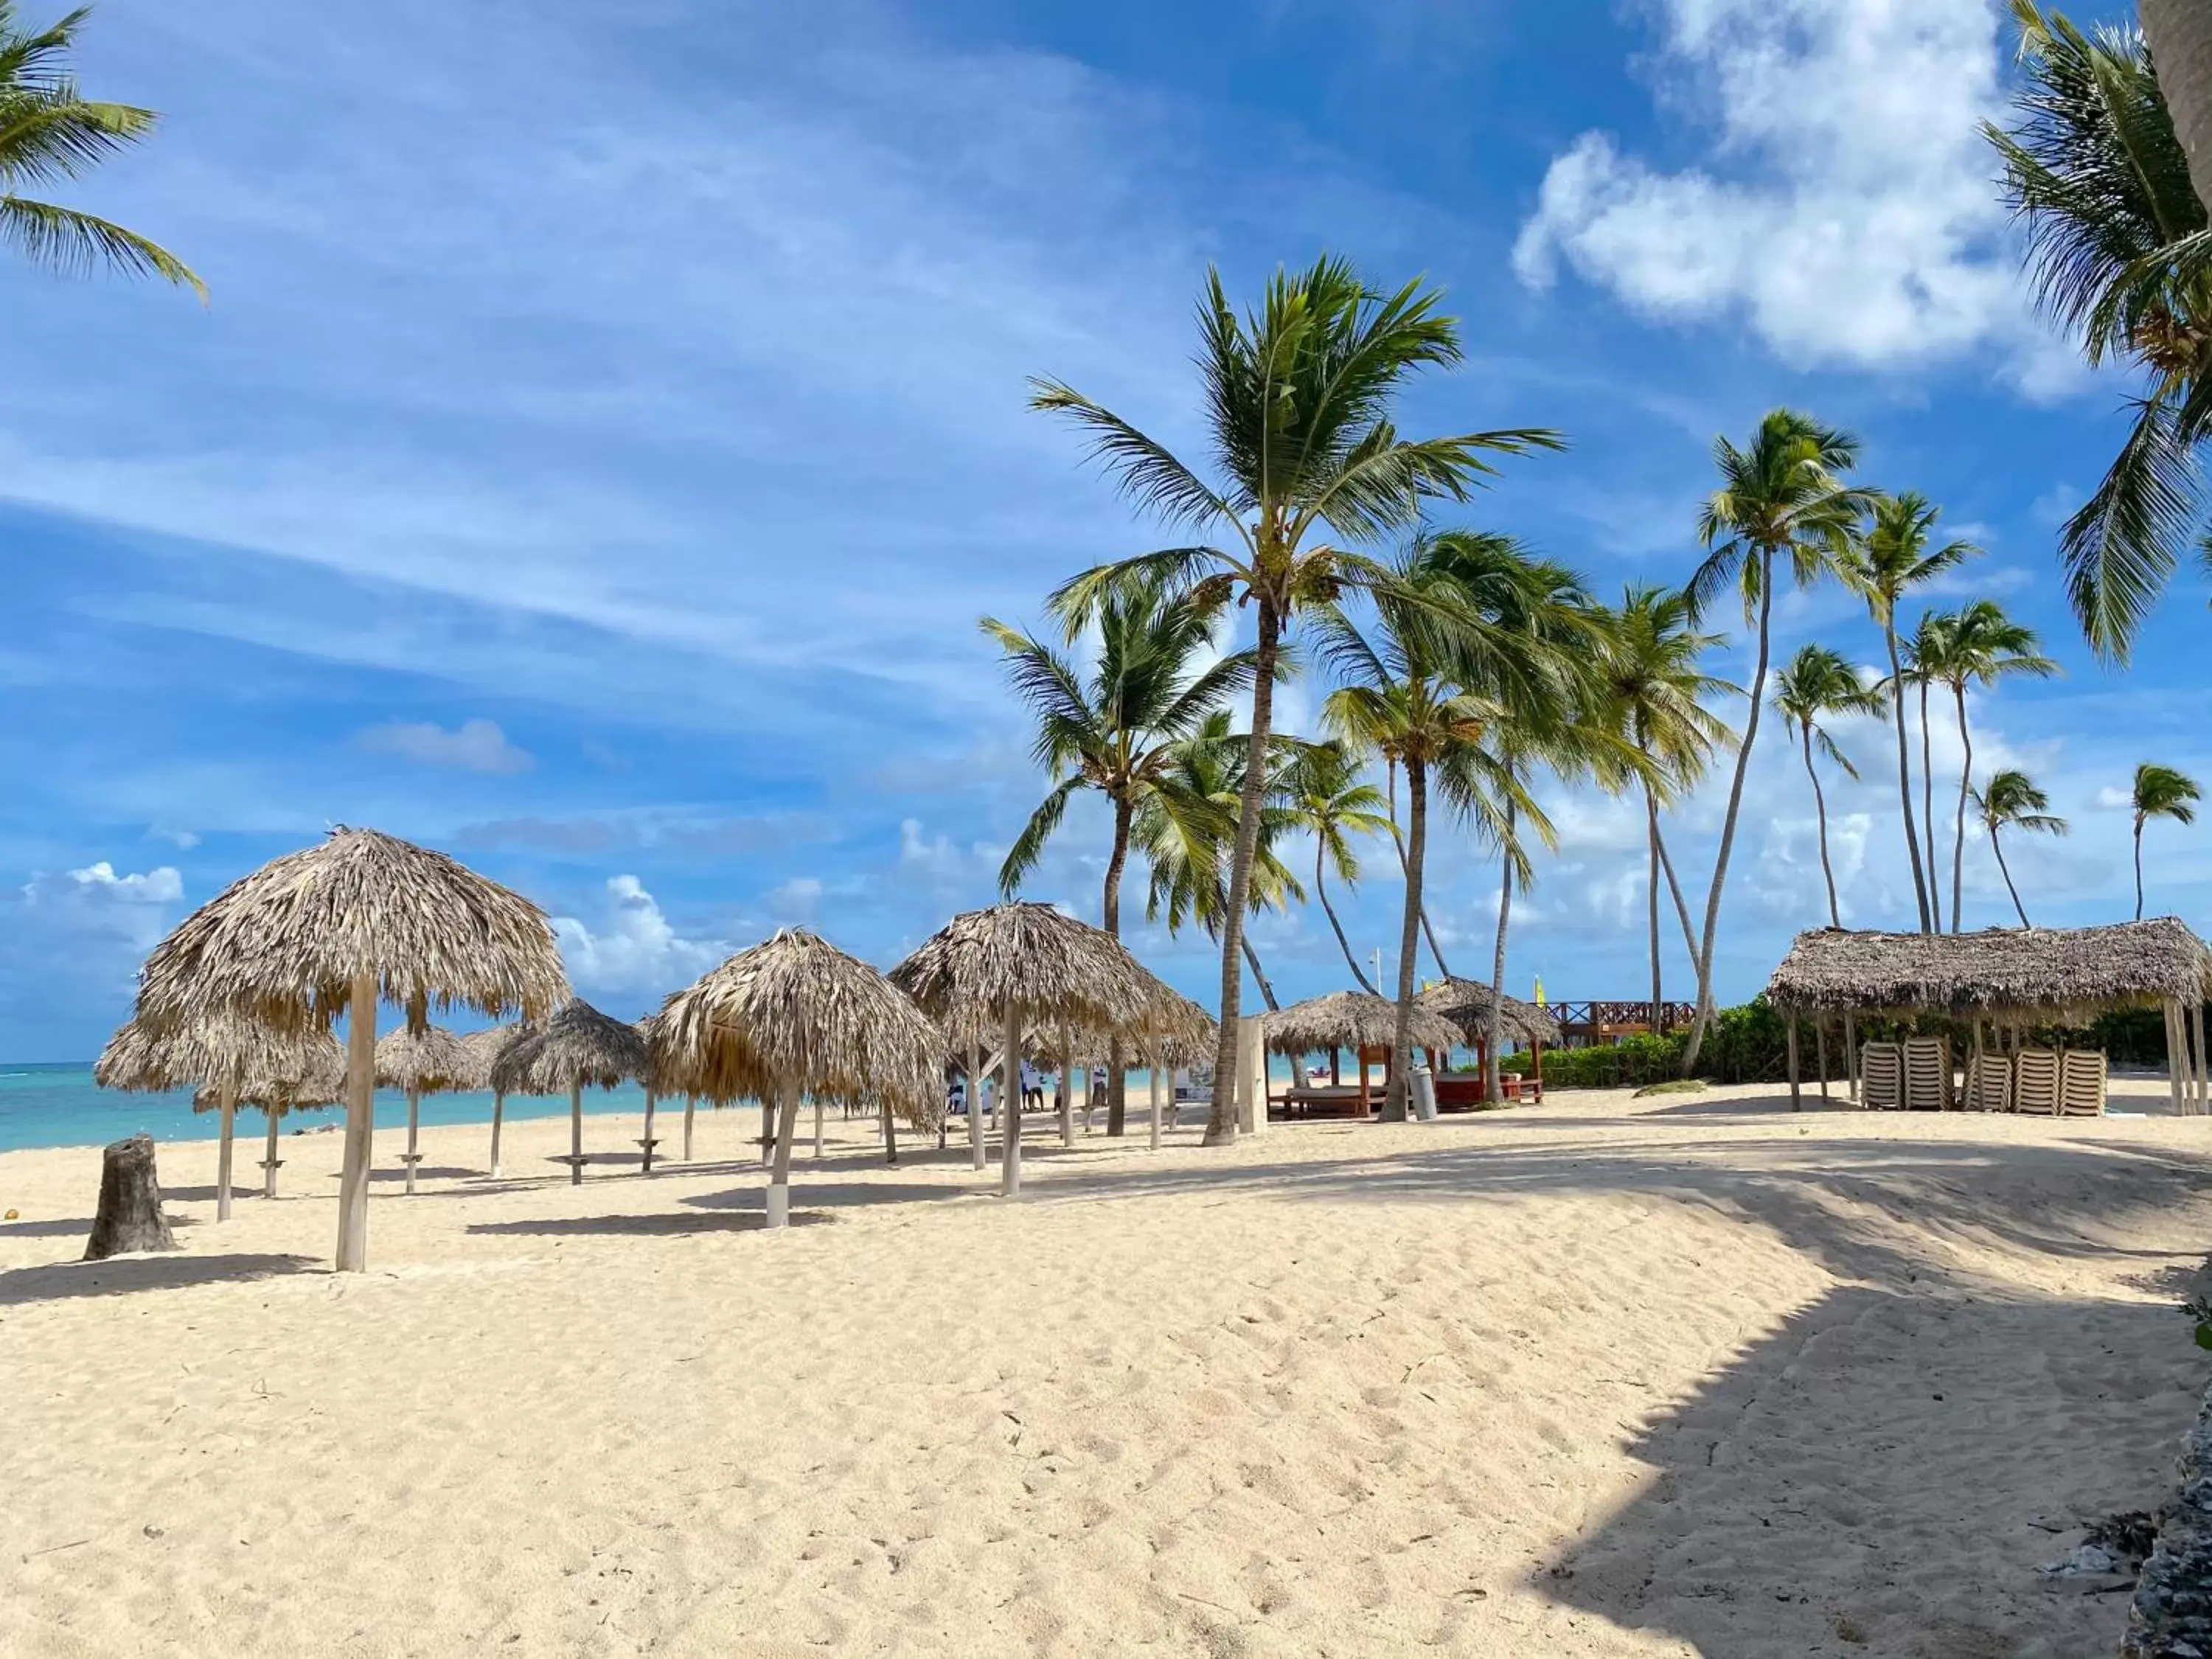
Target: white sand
{"x": 1688, "y": 1376}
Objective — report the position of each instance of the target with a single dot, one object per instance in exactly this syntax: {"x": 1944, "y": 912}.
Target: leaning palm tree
{"x": 1307, "y": 464}
{"x": 1115, "y": 730}
{"x": 2010, "y": 800}
{"x": 2160, "y": 793}
{"x": 1815, "y": 685}
{"x": 2119, "y": 256}
{"x": 1889, "y": 557}
{"x": 1976, "y": 646}
{"x": 1783, "y": 497}
{"x": 1657, "y": 698}
{"x": 1328, "y": 796}
{"x": 49, "y": 135}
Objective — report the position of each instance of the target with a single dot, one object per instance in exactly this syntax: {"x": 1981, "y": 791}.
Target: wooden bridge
{"x": 1588, "y": 1024}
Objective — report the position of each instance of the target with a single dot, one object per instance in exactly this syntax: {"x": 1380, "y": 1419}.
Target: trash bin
{"x": 1424, "y": 1095}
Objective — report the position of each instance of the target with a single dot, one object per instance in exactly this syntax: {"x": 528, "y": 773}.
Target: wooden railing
{"x": 1586, "y": 1019}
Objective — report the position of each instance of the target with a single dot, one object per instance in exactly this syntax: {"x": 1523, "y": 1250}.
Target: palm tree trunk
{"x": 1398, "y": 840}
{"x": 1820, "y": 813}
{"x": 1490, "y": 1066}
{"x": 1905, "y": 770}
{"x": 1675, "y": 887}
{"x": 1260, "y": 977}
{"x": 1959, "y": 830}
{"x": 2180, "y": 36}
{"x": 1651, "y": 817}
{"x": 1928, "y": 816}
{"x": 1705, "y": 954}
{"x": 1409, "y": 943}
{"x": 1997, "y": 845}
{"x": 1221, "y": 1115}
{"x": 1109, "y": 911}
{"x": 1321, "y": 891}
{"x": 2139, "y": 829}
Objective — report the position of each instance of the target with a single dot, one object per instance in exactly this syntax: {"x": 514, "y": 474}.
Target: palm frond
{"x": 78, "y": 244}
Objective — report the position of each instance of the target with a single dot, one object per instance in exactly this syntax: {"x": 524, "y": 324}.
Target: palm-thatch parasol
{"x": 795, "y": 1014}
{"x": 1354, "y": 1020}
{"x": 333, "y": 929}
{"x": 993, "y": 974}
{"x": 577, "y": 1046}
{"x": 484, "y": 1048}
{"x": 223, "y": 1052}
{"x": 319, "y": 1083}
{"x": 425, "y": 1062}
{"x": 1467, "y": 1004}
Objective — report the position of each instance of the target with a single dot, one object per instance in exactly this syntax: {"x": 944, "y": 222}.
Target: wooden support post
{"x": 360, "y": 1125}
{"x": 818, "y": 1128}
{"x": 270, "y": 1162}
{"x": 1010, "y": 1108}
{"x": 1067, "y": 1102}
{"x": 1820, "y": 1053}
{"x": 414, "y": 1136}
{"x": 768, "y": 1132}
{"x": 2175, "y": 1056}
{"x": 779, "y": 1181}
{"x": 890, "y": 1135}
{"x": 1797, "y": 1098}
{"x": 1334, "y": 1080}
{"x": 1851, "y": 1056}
{"x": 975, "y": 1093}
{"x": 224, "y": 1152}
{"x": 576, "y": 1132}
{"x": 1365, "y": 1106}
{"x": 2197, "y": 1034}
{"x": 646, "y": 1144}
{"x": 690, "y": 1108}
{"x": 1152, "y": 1076}
{"x": 498, "y": 1112}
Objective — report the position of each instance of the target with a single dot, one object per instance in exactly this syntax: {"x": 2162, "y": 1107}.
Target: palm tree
{"x": 1114, "y": 733}
{"x": 1781, "y": 495}
{"x": 1657, "y": 695}
{"x": 1889, "y": 557}
{"x": 1923, "y": 653}
{"x": 2010, "y": 800}
{"x": 2160, "y": 793}
{"x": 2119, "y": 257}
{"x": 1186, "y": 849}
{"x": 2180, "y": 36}
{"x": 1815, "y": 685}
{"x": 49, "y": 135}
{"x": 1329, "y": 799}
{"x": 1977, "y": 645}
{"x": 1299, "y": 395}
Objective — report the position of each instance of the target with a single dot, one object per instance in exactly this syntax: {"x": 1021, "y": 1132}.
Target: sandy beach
{"x": 1684, "y": 1376}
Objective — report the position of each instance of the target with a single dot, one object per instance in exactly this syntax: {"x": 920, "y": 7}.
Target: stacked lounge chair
{"x": 1881, "y": 1077}
{"x": 1988, "y": 1083}
{"x": 1928, "y": 1074}
{"x": 2035, "y": 1087}
{"x": 2081, "y": 1079}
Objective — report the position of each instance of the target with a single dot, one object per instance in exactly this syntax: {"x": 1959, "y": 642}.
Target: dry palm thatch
{"x": 285, "y": 944}
{"x": 2057, "y": 974}
{"x": 429, "y": 1062}
{"x": 318, "y": 1084}
{"x": 486, "y": 1046}
{"x": 222, "y": 1052}
{"x": 1030, "y": 964}
{"x": 578, "y": 1048}
{"x": 796, "y": 1012}
{"x": 1466, "y": 1003}
{"x": 1352, "y": 1020}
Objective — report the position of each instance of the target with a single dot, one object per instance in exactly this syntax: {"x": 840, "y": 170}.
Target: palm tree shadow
{"x": 644, "y": 1226}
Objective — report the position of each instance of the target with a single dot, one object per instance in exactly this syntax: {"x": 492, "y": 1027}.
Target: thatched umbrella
{"x": 996, "y": 973}
{"x": 795, "y": 1014}
{"x": 577, "y": 1046}
{"x": 425, "y": 1062}
{"x": 1476, "y": 1012}
{"x": 319, "y": 1082}
{"x": 1353, "y": 1020}
{"x": 334, "y": 928}
{"x": 223, "y": 1052}
{"x": 485, "y": 1048}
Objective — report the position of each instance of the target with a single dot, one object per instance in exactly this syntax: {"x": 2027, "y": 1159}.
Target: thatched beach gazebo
{"x": 794, "y": 1016}
{"x": 1351, "y": 1020}
{"x": 336, "y": 929}
{"x": 989, "y": 975}
{"x": 577, "y": 1046}
{"x": 1475, "y": 1010}
{"x": 319, "y": 1082}
{"x": 2012, "y": 978}
{"x": 222, "y": 1052}
{"x": 432, "y": 1060}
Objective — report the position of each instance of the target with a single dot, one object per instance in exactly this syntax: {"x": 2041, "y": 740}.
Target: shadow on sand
{"x": 123, "y": 1275}
{"x": 643, "y": 1226}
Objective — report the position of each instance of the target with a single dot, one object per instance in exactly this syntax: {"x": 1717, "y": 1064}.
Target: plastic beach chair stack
{"x": 1881, "y": 1076}
{"x": 1928, "y": 1074}
{"x": 2037, "y": 1086}
{"x": 2081, "y": 1079}
{"x": 1989, "y": 1083}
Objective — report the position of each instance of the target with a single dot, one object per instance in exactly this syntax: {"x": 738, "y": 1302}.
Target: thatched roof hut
{"x": 428, "y": 1061}
{"x": 320, "y": 1082}
{"x": 1466, "y": 1004}
{"x": 486, "y": 1046}
{"x": 578, "y": 1047}
{"x": 336, "y": 929}
{"x": 1353, "y": 1020}
{"x": 2046, "y": 974}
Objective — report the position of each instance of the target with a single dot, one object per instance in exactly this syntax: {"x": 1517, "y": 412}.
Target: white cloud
{"x": 1854, "y": 223}
{"x": 98, "y": 882}
{"x": 634, "y": 947}
{"x": 477, "y": 746}
{"x": 2112, "y": 797}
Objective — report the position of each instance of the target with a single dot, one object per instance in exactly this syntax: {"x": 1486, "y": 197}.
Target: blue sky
{"x": 609, "y": 424}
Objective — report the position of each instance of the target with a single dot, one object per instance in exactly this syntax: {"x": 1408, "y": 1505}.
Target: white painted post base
{"x": 779, "y": 1205}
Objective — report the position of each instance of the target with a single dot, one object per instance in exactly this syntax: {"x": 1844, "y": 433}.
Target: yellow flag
{"x": 1540, "y": 990}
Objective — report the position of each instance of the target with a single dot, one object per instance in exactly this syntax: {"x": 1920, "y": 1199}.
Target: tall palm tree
{"x": 2119, "y": 257}
{"x": 1330, "y": 800}
{"x": 1658, "y": 695}
{"x": 1923, "y": 653}
{"x": 1188, "y": 850}
{"x": 1889, "y": 557}
{"x": 1976, "y": 646}
{"x": 1115, "y": 732}
{"x": 2180, "y": 36}
{"x": 1815, "y": 685}
{"x": 1783, "y": 496}
{"x": 1299, "y": 395}
{"x": 2010, "y": 800}
{"x": 49, "y": 135}
{"x": 2160, "y": 793}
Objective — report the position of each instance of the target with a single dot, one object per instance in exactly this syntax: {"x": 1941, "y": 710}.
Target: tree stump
{"x": 130, "y": 1216}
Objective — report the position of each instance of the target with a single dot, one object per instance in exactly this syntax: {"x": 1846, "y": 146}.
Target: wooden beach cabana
{"x": 1346, "y": 1022}
{"x": 2007, "y": 980}
{"x": 1467, "y": 1004}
